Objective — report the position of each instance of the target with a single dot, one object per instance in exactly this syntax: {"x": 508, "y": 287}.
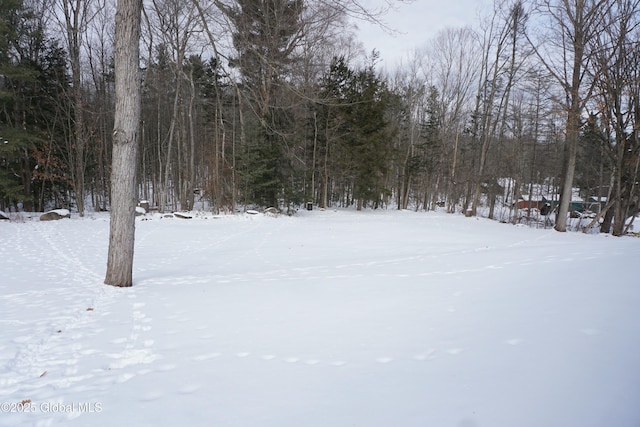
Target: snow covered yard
{"x": 327, "y": 319}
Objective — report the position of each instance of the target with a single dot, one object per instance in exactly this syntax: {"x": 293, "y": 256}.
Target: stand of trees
{"x": 272, "y": 103}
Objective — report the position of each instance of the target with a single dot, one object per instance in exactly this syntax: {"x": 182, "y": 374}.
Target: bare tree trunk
{"x": 574, "y": 23}
{"x": 511, "y": 27}
{"x": 191, "y": 169}
{"x": 324, "y": 201}
{"x": 571, "y": 149}
{"x": 168, "y": 167}
{"x": 125, "y": 144}
{"x": 75, "y": 14}
{"x": 488, "y": 119}
{"x": 312, "y": 197}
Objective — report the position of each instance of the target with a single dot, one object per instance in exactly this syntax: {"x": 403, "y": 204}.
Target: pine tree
{"x": 33, "y": 80}
{"x": 267, "y": 33}
{"x": 354, "y": 111}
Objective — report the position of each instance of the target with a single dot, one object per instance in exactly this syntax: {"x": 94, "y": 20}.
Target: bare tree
{"x": 410, "y": 85}
{"x": 617, "y": 99}
{"x": 501, "y": 40}
{"x": 175, "y": 26}
{"x": 77, "y": 15}
{"x": 100, "y": 123}
{"x": 125, "y": 144}
{"x": 564, "y": 52}
{"x": 451, "y": 64}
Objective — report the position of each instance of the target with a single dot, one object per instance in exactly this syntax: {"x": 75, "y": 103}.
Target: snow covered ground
{"x": 327, "y": 319}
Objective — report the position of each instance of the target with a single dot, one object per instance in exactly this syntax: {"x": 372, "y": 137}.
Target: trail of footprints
{"x": 136, "y": 350}
{"x": 428, "y": 355}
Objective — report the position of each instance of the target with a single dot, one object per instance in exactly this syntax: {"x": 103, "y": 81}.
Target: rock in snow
{"x": 55, "y": 215}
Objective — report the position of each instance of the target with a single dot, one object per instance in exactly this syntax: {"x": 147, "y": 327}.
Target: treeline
{"x": 273, "y": 103}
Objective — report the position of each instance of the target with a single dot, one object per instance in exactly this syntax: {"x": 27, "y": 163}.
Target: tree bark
{"x": 125, "y": 144}
{"x": 578, "y": 22}
{"x": 75, "y": 14}
{"x": 571, "y": 142}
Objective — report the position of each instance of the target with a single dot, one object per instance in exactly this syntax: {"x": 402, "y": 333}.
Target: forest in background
{"x": 258, "y": 103}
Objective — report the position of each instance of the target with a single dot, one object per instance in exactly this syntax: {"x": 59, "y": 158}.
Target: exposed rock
{"x": 55, "y": 215}
{"x": 182, "y": 215}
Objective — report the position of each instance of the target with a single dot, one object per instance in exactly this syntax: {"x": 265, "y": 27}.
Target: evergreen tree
{"x": 355, "y": 110}
{"x": 592, "y": 164}
{"x": 267, "y": 33}
{"x": 32, "y": 83}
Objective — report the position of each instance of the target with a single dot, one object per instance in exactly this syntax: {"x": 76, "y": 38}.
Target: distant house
{"x": 541, "y": 203}
{"x": 591, "y": 204}
{"x": 536, "y": 202}
{"x": 543, "y": 197}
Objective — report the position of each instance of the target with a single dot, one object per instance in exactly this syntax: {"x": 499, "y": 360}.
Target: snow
{"x": 326, "y": 318}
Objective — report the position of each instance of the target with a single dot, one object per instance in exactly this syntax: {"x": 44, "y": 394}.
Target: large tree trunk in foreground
{"x": 125, "y": 144}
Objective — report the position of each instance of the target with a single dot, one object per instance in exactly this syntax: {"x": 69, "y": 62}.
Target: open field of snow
{"x": 327, "y": 319}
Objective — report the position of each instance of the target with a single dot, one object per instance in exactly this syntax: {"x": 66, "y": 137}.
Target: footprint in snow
{"x": 425, "y": 356}
{"x": 206, "y": 356}
{"x": 151, "y": 396}
{"x": 124, "y": 378}
{"x": 189, "y": 388}
{"x": 137, "y": 315}
{"x": 167, "y": 367}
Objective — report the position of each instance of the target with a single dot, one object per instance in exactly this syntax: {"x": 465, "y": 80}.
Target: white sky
{"x": 416, "y": 22}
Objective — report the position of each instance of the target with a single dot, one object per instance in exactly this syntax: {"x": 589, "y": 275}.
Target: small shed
{"x": 541, "y": 203}
{"x": 535, "y": 202}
